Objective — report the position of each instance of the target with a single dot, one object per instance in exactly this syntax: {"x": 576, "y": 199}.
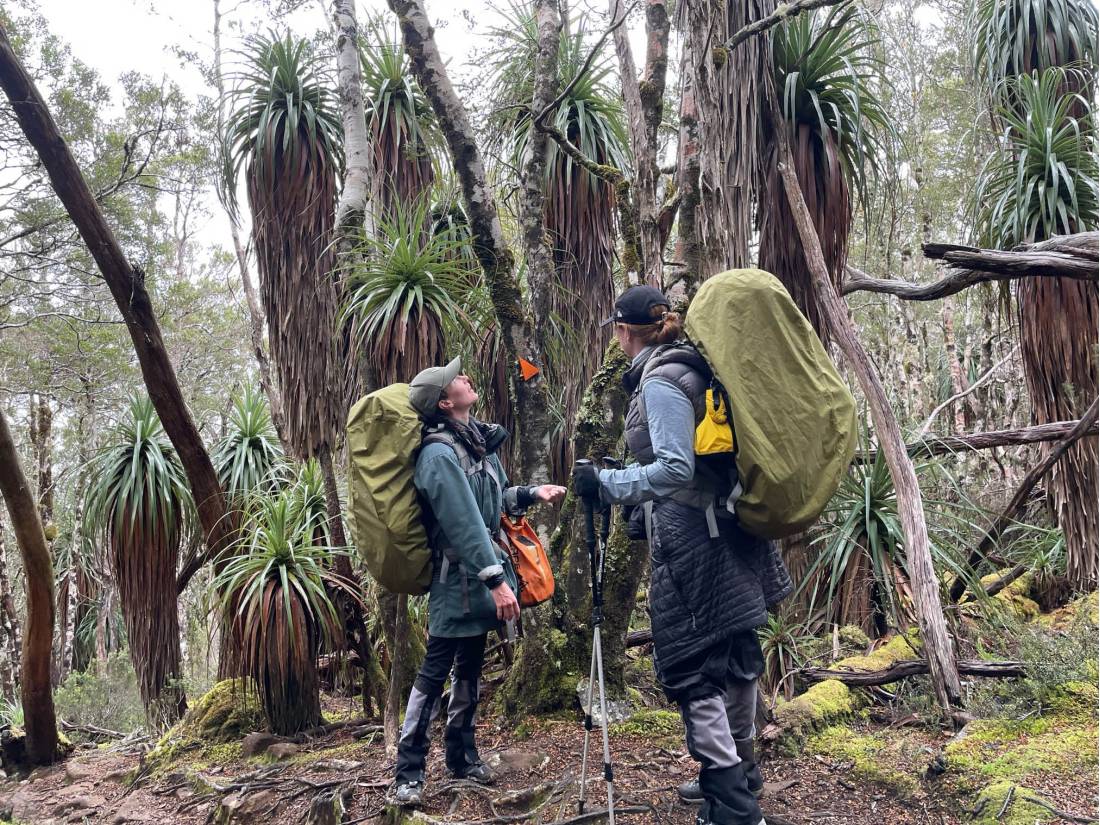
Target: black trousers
{"x": 466, "y": 657}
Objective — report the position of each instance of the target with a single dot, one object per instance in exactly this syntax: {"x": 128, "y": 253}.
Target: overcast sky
{"x": 116, "y": 36}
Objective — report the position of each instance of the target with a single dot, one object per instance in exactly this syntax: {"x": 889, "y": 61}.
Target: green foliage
{"x": 783, "y": 640}
{"x": 827, "y": 72}
{"x": 276, "y": 585}
{"x": 590, "y": 115}
{"x": 1051, "y": 658}
{"x": 402, "y": 128}
{"x": 1041, "y": 180}
{"x": 250, "y": 457}
{"x": 1018, "y": 37}
{"x": 11, "y": 712}
{"x": 138, "y": 486}
{"x": 408, "y": 281}
{"x": 107, "y": 698}
{"x": 282, "y": 107}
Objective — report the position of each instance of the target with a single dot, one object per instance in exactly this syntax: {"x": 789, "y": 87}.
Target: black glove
{"x": 586, "y": 481}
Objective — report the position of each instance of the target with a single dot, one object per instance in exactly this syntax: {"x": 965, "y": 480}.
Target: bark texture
{"x": 644, "y": 103}
{"x": 555, "y": 653}
{"x": 38, "y": 710}
{"x": 726, "y": 89}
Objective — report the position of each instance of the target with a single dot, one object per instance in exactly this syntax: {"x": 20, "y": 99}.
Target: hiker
{"x": 711, "y": 582}
{"x": 473, "y": 589}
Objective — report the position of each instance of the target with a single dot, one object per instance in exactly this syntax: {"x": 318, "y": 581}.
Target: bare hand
{"x": 551, "y": 493}
{"x": 505, "y": 600}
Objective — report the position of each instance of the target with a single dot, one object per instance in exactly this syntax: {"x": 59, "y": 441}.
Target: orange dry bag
{"x": 536, "y": 579}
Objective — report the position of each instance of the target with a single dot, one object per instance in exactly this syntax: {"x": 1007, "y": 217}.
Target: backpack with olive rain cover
{"x": 384, "y": 436}
{"x": 791, "y": 419}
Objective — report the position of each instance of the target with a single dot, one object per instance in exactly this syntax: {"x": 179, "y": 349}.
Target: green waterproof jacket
{"x": 465, "y": 506}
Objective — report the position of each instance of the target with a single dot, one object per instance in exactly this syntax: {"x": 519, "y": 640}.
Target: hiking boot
{"x": 746, "y": 750}
{"x": 478, "y": 772}
{"x": 409, "y": 794}
{"x": 690, "y": 792}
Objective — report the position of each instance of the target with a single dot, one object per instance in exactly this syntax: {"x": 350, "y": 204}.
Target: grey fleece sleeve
{"x": 672, "y": 431}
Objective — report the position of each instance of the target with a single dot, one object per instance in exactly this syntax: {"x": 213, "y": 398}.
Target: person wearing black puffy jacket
{"x": 711, "y": 583}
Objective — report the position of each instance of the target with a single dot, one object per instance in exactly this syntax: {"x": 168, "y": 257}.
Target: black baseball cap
{"x": 634, "y": 306}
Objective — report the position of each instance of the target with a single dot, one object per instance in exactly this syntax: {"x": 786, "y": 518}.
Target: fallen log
{"x": 912, "y": 667}
{"x": 637, "y": 638}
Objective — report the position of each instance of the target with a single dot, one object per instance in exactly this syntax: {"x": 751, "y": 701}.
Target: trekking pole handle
{"x": 590, "y": 540}
{"x": 589, "y": 507}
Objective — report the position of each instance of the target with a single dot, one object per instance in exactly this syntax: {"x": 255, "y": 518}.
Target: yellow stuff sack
{"x": 715, "y": 433}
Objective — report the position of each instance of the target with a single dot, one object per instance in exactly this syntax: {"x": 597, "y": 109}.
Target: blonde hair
{"x": 666, "y": 327}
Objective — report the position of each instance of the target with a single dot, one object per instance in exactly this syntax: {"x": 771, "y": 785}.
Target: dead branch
{"x": 785, "y": 11}
{"x": 913, "y": 667}
{"x": 1008, "y": 516}
{"x": 1066, "y": 256}
{"x": 948, "y": 444}
{"x": 959, "y": 395}
{"x": 91, "y": 730}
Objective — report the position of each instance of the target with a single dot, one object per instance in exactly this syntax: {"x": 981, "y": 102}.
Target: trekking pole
{"x": 596, "y": 560}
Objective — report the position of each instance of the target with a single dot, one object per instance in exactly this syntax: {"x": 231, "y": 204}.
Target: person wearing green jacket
{"x": 464, "y": 489}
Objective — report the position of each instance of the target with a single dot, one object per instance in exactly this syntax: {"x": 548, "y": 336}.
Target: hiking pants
{"x": 716, "y": 692}
{"x": 466, "y": 656}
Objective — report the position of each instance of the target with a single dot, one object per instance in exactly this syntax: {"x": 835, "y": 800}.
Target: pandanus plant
{"x": 139, "y": 502}
{"x": 278, "y": 588}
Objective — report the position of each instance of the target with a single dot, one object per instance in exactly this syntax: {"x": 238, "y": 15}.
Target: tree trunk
{"x": 541, "y": 278}
{"x": 403, "y": 662}
{"x": 352, "y": 207}
{"x": 689, "y": 244}
{"x": 9, "y": 628}
{"x": 925, "y": 583}
{"x": 1058, "y": 328}
{"x": 644, "y": 104}
{"x": 516, "y": 328}
{"x": 127, "y": 284}
{"x": 255, "y": 311}
{"x": 725, "y": 88}
{"x": 556, "y": 650}
{"x": 38, "y": 711}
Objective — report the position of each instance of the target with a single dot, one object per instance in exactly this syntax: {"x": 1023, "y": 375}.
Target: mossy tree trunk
{"x": 556, "y": 652}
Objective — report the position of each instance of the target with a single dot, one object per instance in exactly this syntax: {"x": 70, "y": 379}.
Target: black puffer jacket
{"x": 702, "y": 590}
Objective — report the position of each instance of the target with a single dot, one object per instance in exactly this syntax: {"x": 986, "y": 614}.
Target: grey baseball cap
{"x": 426, "y": 388}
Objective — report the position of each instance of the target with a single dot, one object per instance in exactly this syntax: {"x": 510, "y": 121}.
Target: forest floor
{"x": 833, "y": 755}
{"x": 536, "y": 763}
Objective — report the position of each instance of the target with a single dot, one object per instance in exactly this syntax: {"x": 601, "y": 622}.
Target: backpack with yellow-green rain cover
{"x": 792, "y": 431}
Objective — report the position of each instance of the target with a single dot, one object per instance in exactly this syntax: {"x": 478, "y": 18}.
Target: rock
{"x": 78, "y": 771}
{"x": 256, "y": 743}
{"x": 517, "y": 761}
{"x": 6, "y": 812}
{"x": 618, "y": 710}
{"x": 88, "y": 802}
{"x": 133, "y": 811}
{"x": 282, "y": 750}
{"x": 118, "y": 774}
{"x": 23, "y": 803}
{"x": 244, "y": 808}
